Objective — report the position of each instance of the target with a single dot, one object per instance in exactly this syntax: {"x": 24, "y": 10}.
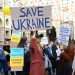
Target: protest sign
{"x": 31, "y": 18}
{"x": 17, "y": 59}
{"x": 15, "y": 39}
{"x": 65, "y": 33}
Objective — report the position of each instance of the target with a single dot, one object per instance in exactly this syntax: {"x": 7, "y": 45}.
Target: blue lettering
{"x": 47, "y": 21}
{"x": 23, "y": 12}
{"x": 16, "y": 26}
{"x": 33, "y": 24}
{"x": 28, "y": 12}
{"x": 41, "y": 22}
{"x": 40, "y": 11}
{"x": 28, "y": 24}
{"x": 34, "y": 11}
{"x": 22, "y": 24}
{"x": 38, "y": 26}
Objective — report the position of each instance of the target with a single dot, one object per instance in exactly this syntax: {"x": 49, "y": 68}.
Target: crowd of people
{"x": 51, "y": 58}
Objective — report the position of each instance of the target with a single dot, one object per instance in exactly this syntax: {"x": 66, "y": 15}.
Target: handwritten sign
{"x": 31, "y": 18}
{"x": 65, "y": 33}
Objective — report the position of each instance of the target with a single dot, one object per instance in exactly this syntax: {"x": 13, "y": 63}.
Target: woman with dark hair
{"x": 23, "y": 44}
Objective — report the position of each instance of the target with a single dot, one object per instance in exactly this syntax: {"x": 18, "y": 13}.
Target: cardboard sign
{"x": 31, "y": 18}
{"x": 17, "y": 59}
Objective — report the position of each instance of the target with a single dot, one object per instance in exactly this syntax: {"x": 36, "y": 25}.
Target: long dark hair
{"x": 22, "y": 42}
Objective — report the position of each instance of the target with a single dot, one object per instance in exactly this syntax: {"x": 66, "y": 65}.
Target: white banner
{"x": 31, "y": 18}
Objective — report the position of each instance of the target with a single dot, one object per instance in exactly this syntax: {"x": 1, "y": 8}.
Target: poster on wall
{"x": 17, "y": 59}
{"x": 66, "y": 33}
{"x": 31, "y": 18}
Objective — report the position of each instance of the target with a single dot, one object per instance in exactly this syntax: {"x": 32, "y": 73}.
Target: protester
{"x": 48, "y": 57}
{"x": 52, "y": 41}
{"x": 67, "y": 59}
{"x": 3, "y": 62}
{"x": 23, "y": 44}
{"x": 36, "y": 53}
